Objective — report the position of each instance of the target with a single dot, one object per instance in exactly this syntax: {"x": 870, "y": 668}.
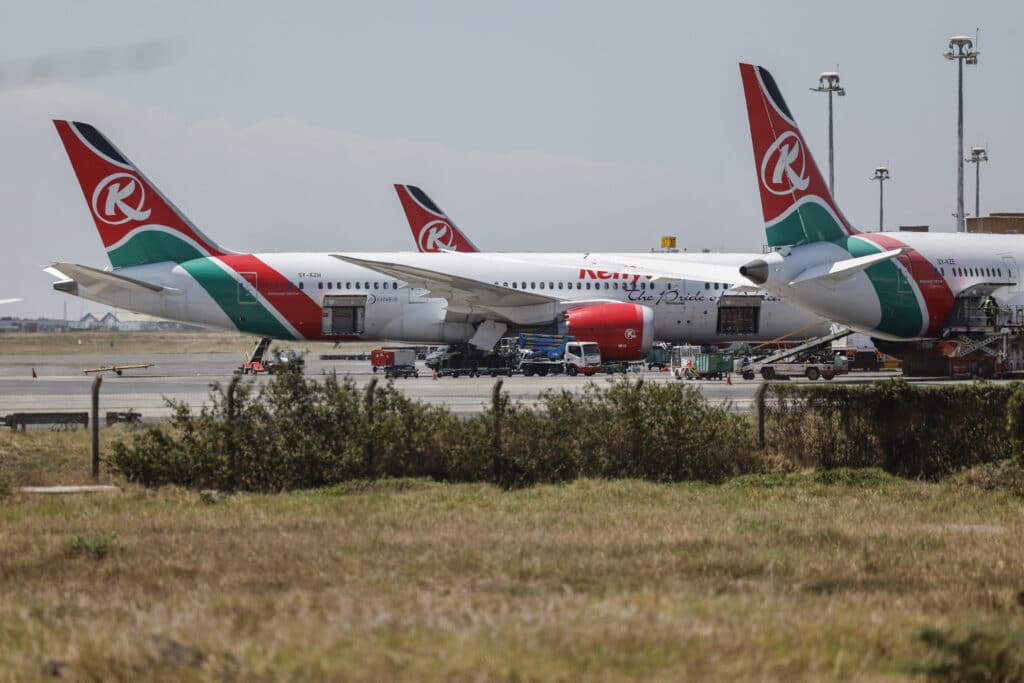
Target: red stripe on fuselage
{"x": 938, "y": 297}
{"x": 292, "y": 303}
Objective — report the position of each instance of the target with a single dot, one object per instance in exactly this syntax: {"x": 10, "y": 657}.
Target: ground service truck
{"x": 543, "y": 354}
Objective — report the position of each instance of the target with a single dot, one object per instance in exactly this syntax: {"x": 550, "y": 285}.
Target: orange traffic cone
{"x": 728, "y": 379}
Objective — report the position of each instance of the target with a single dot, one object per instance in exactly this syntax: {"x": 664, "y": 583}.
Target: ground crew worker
{"x": 991, "y": 309}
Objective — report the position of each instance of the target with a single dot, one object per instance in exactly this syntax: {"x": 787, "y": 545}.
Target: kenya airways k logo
{"x": 120, "y": 196}
{"x": 436, "y": 236}
{"x": 787, "y": 164}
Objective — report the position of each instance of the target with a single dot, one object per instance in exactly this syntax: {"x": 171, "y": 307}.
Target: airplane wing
{"x": 461, "y": 292}
{"x": 73, "y": 275}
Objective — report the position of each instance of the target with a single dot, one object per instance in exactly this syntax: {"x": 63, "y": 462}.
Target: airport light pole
{"x": 881, "y": 175}
{"x": 828, "y": 82}
{"x": 978, "y": 155}
{"x": 961, "y": 48}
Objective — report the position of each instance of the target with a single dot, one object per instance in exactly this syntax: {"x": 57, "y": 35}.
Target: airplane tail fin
{"x": 798, "y": 207}
{"x": 137, "y": 223}
{"x": 431, "y": 228}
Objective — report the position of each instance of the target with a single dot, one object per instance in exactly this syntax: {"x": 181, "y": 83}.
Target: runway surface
{"x": 61, "y": 385}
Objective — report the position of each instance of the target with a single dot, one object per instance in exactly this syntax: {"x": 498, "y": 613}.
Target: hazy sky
{"x": 538, "y": 126}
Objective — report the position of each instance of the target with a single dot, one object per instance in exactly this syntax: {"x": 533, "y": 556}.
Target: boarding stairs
{"x": 258, "y": 351}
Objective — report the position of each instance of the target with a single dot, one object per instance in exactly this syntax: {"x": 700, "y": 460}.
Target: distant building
{"x": 998, "y": 223}
{"x": 112, "y": 321}
{"x": 913, "y": 228}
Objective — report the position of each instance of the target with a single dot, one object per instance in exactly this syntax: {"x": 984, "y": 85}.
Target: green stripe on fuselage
{"x": 809, "y": 222}
{"x": 152, "y": 246}
{"x": 250, "y": 317}
{"x": 901, "y": 313}
{"x": 156, "y": 246}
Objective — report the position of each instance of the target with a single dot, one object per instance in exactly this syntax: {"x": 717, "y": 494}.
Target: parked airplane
{"x": 424, "y": 214}
{"x": 163, "y": 265}
{"x": 895, "y": 286}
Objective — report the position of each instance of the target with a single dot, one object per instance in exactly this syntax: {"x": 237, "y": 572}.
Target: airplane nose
{"x": 756, "y": 271}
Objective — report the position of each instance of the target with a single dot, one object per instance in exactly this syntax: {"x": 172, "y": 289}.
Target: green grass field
{"x": 801, "y": 577}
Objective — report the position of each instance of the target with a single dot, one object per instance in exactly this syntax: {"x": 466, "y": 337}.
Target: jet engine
{"x": 623, "y": 331}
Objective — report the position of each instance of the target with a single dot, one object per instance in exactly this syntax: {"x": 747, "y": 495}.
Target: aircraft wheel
{"x": 812, "y": 373}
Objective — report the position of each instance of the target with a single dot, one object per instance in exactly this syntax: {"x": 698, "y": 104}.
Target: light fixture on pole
{"x": 828, "y": 82}
{"x": 961, "y": 48}
{"x": 978, "y": 155}
{"x": 881, "y": 175}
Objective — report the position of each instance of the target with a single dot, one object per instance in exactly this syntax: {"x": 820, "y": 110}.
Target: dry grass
{"x": 765, "y": 578}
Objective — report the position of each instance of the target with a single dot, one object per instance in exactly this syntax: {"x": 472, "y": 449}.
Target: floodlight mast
{"x": 881, "y": 175}
{"x": 828, "y": 82}
{"x": 961, "y": 48}
{"x": 978, "y": 155}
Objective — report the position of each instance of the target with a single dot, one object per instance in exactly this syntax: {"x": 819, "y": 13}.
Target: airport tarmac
{"x": 60, "y": 384}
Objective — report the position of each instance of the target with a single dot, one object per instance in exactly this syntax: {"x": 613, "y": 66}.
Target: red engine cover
{"x": 623, "y": 331}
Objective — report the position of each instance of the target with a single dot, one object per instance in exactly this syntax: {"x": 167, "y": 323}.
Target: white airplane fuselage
{"x": 300, "y": 295}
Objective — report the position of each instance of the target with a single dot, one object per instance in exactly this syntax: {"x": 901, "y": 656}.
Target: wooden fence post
{"x": 371, "y": 451}
{"x": 97, "y": 380}
{"x": 759, "y": 409}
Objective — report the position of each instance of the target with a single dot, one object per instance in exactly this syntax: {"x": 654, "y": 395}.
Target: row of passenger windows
{"x": 354, "y": 285}
{"x": 597, "y": 285}
{"x": 975, "y": 272}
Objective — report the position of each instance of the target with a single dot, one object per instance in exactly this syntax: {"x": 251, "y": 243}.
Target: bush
{"x": 908, "y": 430}
{"x": 295, "y": 433}
{"x": 979, "y": 656}
{"x": 93, "y": 546}
{"x": 298, "y": 433}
